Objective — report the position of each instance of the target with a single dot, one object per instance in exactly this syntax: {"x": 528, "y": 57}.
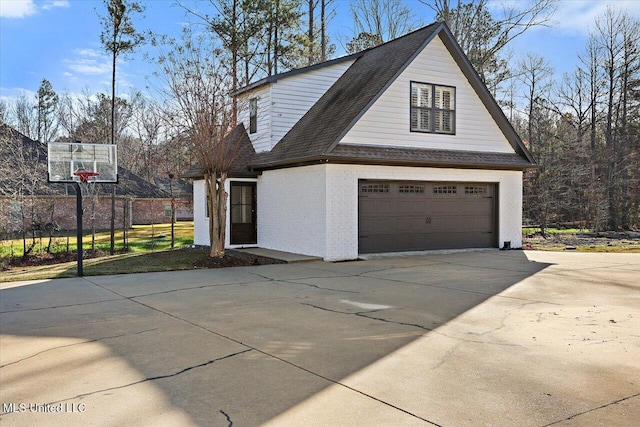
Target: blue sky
{"x": 59, "y": 40}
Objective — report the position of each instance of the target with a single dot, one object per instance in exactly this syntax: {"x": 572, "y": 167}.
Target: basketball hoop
{"x": 87, "y": 181}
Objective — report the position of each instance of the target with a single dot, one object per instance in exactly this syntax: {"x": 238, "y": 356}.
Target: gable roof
{"x": 315, "y": 137}
{"x": 240, "y": 146}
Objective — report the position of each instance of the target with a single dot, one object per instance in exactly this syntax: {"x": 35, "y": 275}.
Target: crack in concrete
{"x": 446, "y": 356}
{"x": 365, "y": 315}
{"x": 189, "y": 289}
{"x": 615, "y": 402}
{"x": 58, "y": 306}
{"x": 87, "y": 322}
{"x": 158, "y": 377}
{"x": 318, "y": 287}
{"x": 249, "y": 348}
{"x": 74, "y": 344}
{"x": 291, "y": 281}
{"x": 230, "y": 423}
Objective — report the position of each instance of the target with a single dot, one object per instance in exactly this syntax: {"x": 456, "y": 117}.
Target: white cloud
{"x": 578, "y": 16}
{"x": 89, "y": 52}
{"x": 56, "y": 3}
{"x": 17, "y": 8}
{"x": 89, "y": 62}
{"x": 24, "y": 8}
{"x": 88, "y": 66}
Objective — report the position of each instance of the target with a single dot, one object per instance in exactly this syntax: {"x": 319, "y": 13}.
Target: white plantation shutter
{"x": 421, "y": 95}
{"x": 445, "y": 109}
{"x": 432, "y": 108}
{"x": 444, "y": 98}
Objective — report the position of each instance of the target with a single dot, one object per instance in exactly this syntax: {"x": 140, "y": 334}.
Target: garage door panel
{"x": 407, "y": 216}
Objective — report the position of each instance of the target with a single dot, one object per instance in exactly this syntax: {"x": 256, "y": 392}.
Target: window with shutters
{"x": 433, "y": 108}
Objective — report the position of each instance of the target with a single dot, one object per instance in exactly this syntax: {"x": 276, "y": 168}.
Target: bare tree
{"x": 196, "y": 89}
{"x": 535, "y": 74}
{"x": 483, "y": 35}
{"x": 4, "y": 112}
{"x": 24, "y": 116}
{"x": 118, "y": 37}
{"x": 385, "y": 20}
{"x": 147, "y": 125}
{"x": 23, "y": 181}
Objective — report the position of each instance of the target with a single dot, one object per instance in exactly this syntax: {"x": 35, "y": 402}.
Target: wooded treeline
{"x": 583, "y": 128}
{"x": 584, "y": 131}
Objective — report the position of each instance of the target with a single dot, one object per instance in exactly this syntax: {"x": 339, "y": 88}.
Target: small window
{"x": 475, "y": 189}
{"x": 375, "y": 188}
{"x": 445, "y": 189}
{"x": 414, "y": 189}
{"x": 432, "y": 108}
{"x": 167, "y": 209}
{"x": 253, "y": 115}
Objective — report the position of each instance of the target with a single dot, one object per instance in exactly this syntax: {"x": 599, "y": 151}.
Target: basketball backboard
{"x": 67, "y": 158}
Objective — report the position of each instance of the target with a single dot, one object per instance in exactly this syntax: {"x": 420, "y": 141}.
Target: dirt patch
{"x": 235, "y": 259}
{"x": 584, "y": 242}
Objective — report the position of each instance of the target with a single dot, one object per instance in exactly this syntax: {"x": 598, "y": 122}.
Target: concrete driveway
{"x": 478, "y": 338}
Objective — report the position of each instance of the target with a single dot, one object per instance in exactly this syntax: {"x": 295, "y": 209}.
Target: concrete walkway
{"x": 480, "y": 338}
{"x": 288, "y": 257}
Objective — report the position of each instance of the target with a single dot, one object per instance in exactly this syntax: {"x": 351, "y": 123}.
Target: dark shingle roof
{"x": 180, "y": 188}
{"x": 241, "y": 148}
{"x": 337, "y": 110}
{"x": 316, "y": 135}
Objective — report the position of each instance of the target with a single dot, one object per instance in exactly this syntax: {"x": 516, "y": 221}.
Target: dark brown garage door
{"x": 398, "y": 216}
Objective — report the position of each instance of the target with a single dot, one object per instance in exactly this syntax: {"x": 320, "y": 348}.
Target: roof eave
{"x": 390, "y": 162}
{"x": 199, "y": 174}
{"x": 274, "y": 78}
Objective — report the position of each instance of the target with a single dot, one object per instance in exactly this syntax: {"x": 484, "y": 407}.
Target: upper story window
{"x": 253, "y": 115}
{"x": 433, "y": 108}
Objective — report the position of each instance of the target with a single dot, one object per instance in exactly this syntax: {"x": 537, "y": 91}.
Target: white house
{"x": 396, "y": 148}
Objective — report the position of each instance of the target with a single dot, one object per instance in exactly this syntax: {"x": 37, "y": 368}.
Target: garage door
{"x": 398, "y": 216}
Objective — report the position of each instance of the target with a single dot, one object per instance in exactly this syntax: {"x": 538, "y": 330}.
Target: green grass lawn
{"x": 551, "y": 230}
{"x": 134, "y": 262}
{"x": 141, "y": 238}
{"x": 149, "y": 250}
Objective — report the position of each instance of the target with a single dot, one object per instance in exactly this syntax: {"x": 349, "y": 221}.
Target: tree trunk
{"x": 113, "y": 141}
{"x": 310, "y": 34}
{"x": 323, "y": 36}
{"x": 112, "y": 249}
{"x": 217, "y": 203}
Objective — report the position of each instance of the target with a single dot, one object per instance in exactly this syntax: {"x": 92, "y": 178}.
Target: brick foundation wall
{"x": 62, "y": 210}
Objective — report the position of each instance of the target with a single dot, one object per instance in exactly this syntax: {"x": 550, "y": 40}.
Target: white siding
{"x": 261, "y": 140}
{"x": 293, "y": 96}
{"x": 386, "y": 123}
{"x": 291, "y": 210}
{"x": 282, "y": 104}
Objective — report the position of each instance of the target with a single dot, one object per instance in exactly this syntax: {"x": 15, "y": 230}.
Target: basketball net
{"x": 87, "y": 181}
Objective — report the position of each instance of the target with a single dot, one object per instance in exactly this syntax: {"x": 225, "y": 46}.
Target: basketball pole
{"x": 79, "y": 227}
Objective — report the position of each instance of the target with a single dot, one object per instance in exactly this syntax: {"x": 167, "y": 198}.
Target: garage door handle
{"x": 427, "y": 220}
